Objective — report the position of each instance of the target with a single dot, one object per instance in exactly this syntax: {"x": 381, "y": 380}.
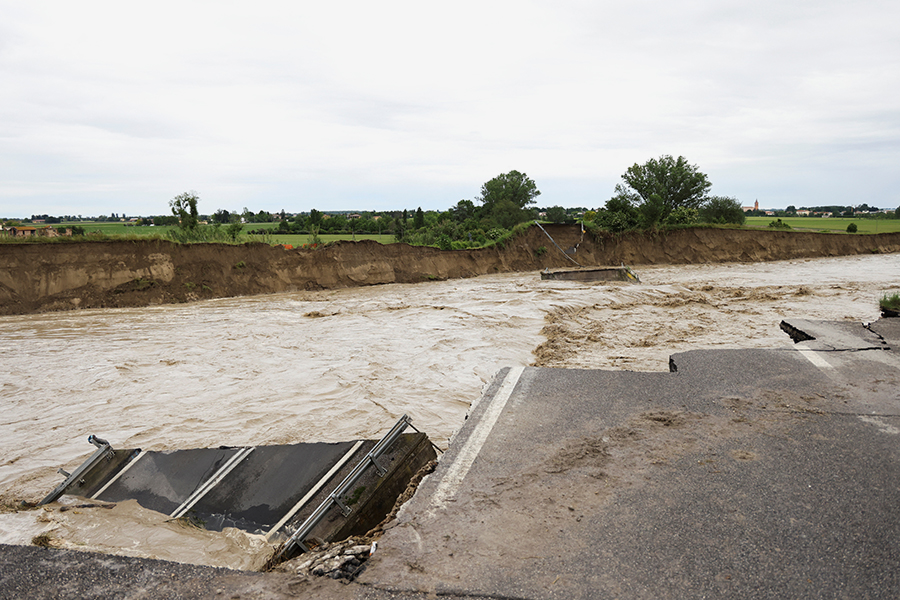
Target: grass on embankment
{"x": 890, "y": 302}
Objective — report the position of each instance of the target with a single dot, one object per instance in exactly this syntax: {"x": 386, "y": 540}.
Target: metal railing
{"x": 334, "y": 498}
{"x": 104, "y": 450}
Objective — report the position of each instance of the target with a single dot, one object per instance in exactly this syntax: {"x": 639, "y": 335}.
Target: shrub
{"x": 444, "y": 242}
{"x": 890, "y": 302}
{"x": 682, "y": 215}
{"x": 722, "y": 209}
{"x": 851, "y": 228}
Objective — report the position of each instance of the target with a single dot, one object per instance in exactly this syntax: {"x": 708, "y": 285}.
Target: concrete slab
{"x": 267, "y": 484}
{"x": 833, "y": 335}
{"x": 161, "y": 481}
{"x": 889, "y": 330}
{"x": 740, "y": 474}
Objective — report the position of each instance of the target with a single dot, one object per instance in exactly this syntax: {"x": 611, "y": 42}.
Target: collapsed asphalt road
{"x": 741, "y": 473}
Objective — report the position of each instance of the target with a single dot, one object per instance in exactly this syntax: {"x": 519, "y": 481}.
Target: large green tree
{"x": 505, "y": 198}
{"x": 665, "y": 184}
{"x": 516, "y": 187}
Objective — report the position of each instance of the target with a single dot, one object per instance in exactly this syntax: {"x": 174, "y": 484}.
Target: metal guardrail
{"x": 104, "y": 450}
{"x": 566, "y": 254}
{"x": 298, "y": 537}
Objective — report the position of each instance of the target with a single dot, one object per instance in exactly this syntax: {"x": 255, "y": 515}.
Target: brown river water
{"x": 346, "y": 364}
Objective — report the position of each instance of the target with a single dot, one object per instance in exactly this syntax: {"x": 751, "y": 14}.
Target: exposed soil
{"x": 65, "y": 276}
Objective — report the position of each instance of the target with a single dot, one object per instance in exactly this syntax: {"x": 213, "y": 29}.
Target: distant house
{"x": 22, "y": 231}
{"x": 802, "y": 213}
{"x": 25, "y": 231}
{"x": 48, "y": 231}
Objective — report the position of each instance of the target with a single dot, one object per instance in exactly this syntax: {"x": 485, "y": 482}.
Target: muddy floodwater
{"x": 346, "y": 364}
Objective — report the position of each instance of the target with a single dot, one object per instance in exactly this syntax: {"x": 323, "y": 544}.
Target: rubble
{"x": 342, "y": 560}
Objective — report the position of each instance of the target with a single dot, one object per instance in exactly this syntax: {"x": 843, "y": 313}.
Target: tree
{"x": 619, "y": 214}
{"x": 665, "y": 184}
{"x": 722, "y": 209}
{"x": 515, "y": 187}
{"x": 464, "y": 209}
{"x": 184, "y": 206}
{"x": 419, "y": 219}
{"x": 234, "y": 230}
{"x": 556, "y": 214}
{"x": 222, "y": 216}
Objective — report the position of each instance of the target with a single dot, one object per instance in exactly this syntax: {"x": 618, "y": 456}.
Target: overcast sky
{"x": 345, "y": 105}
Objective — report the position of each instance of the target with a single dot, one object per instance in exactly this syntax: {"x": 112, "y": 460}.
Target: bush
{"x": 779, "y": 224}
{"x": 890, "y": 302}
{"x": 444, "y": 242}
{"x": 682, "y": 215}
{"x": 851, "y": 228}
{"x": 720, "y": 209}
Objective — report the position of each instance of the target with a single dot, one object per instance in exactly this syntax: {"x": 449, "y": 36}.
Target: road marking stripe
{"x": 815, "y": 358}
{"x": 314, "y": 490}
{"x": 119, "y": 474}
{"x": 454, "y": 476}
{"x": 198, "y": 494}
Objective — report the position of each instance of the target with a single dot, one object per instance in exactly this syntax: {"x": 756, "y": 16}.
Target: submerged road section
{"x": 738, "y": 474}
{"x": 741, "y": 473}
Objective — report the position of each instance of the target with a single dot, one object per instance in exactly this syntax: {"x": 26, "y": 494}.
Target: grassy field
{"x": 833, "y": 224}
{"x": 113, "y": 228}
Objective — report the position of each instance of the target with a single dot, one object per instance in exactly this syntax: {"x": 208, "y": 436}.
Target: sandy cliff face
{"x": 49, "y": 277}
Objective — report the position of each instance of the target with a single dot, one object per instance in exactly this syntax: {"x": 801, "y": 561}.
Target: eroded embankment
{"x": 65, "y": 276}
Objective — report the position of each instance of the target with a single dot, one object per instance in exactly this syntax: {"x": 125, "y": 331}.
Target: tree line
{"x": 662, "y": 192}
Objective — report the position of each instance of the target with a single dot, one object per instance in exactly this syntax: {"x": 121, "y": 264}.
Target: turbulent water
{"x": 346, "y": 364}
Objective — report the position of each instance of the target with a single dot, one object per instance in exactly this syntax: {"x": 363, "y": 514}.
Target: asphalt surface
{"x": 743, "y": 473}
{"x": 740, "y": 474}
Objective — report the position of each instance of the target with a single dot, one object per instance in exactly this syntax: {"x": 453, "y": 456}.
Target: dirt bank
{"x": 52, "y": 277}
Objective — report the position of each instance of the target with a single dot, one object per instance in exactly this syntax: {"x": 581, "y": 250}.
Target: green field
{"x": 113, "y": 228}
{"x": 832, "y": 224}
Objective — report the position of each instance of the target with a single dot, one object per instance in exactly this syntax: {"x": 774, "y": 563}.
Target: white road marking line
{"x": 119, "y": 474}
{"x": 198, "y": 494}
{"x": 449, "y": 485}
{"x": 815, "y": 358}
{"x": 314, "y": 490}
